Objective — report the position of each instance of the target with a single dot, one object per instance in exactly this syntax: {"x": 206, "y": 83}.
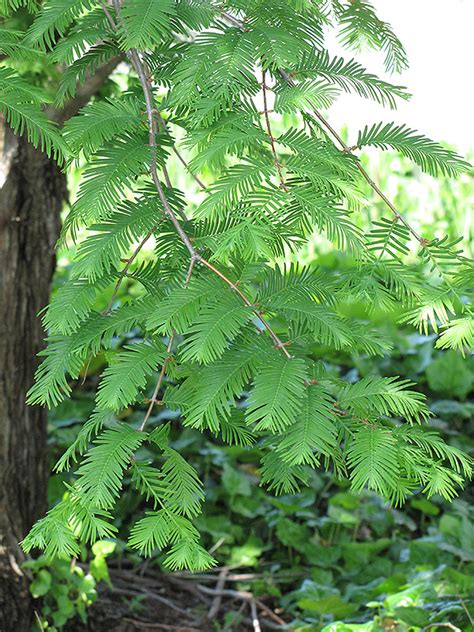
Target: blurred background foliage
{"x": 327, "y": 558}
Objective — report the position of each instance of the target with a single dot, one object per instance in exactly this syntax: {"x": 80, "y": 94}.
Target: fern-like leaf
{"x": 100, "y": 474}
{"x": 123, "y": 379}
{"x": 372, "y": 458}
{"x": 144, "y": 22}
{"x": 384, "y": 396}
{"x": 277, "y": 395}
{"x": 427, "y": 154}
{"x": 314, "y": 433}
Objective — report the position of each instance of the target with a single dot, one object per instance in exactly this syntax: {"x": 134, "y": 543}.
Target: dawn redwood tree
{"x": 227, "y": 326}
{"x": 32, "y": 194}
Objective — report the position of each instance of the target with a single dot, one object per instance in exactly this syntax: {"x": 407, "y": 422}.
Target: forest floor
{"x": 149, "y": 600}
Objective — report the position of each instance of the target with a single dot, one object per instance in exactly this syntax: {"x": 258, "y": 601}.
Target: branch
{"x": 253, "y": 612}
{"x": 216, "y": 604}
{"x": 241, "y": 595}
{"x": 450, "y": 626}
{"x": 154, "y": 399}
{"x": 270, "y": 135}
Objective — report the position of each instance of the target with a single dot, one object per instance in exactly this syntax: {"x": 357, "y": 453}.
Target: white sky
{"x": 439, "y": 38}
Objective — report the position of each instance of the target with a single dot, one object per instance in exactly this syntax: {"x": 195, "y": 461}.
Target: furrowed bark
{"x": 32, "y": 193}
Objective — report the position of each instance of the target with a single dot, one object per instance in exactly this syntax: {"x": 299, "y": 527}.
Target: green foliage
{"x": 20, "y": 102}
{"x": 384, "y": 396}
{"x": 65, "y": 589}
{"x": 338, "y": 558}
{"x": 53, "y": 19}
{"x": 361, "y": 27}
{"x": 126, "y": 376}
{"x": 430, "y": 156}
{"x": 350, "y": 76}
{"x": 277, "y": 394}
{"x": 99, "y": 122}
{"x": 448, "y": 374}
{"x": 144, "y": 22}
{"x": 236, "y": 339}
{"x": 100, "y": 475}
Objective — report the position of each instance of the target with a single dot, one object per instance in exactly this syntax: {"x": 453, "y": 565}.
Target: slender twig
{"x": 126, "y": 268}
{"x": 216, "y": 604}
{"x": 161, "y": 377}
{"x": 254, "y": 615}
{"x": 217, "y": 545}
{"x": 144, "y": 80}
{"x": 325, "y": 123}
{"x": 244, "y": 595}
{"x": 109, "y": 17}
{"x": 270, "y": 135}
{"x": 40, "y": 623}
{"x": 169, "y": 184}
{"x": 162, "y": 122}
{"x": 441, "y": 625}
{"x": 139, "y": 624}
{"x": 466, "y": 610}
{"x": 236, "y": 618}
{"x": 151, "y": 595}
{"x": 278, "y": 343}
{"x": 192, "y": 263}
{"x": 167, "y": 177}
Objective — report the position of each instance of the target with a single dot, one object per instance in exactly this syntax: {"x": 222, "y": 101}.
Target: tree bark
{"x": 32, "y": 193}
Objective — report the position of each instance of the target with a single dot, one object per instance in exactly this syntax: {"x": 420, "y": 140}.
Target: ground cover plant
{"x": 237, "y": 333}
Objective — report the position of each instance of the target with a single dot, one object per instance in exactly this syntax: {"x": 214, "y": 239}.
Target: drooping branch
{"x": 348, "y": 150}
{"x": 288, "y": 79}
{"x": 145, "y": 82}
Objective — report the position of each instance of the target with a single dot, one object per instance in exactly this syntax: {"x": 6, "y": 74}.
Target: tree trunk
{"x": 32, "y": 192}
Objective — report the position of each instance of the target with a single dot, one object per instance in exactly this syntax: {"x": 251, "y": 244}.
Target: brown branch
{"x": 154, "y": 399}
{"x": 270, "y": 135}
{"x": 278, "y": 343}
{"x": 139, "y": 624}
{"x": 108, "y": 15}
{"x": 242, "y": 595}
{"x": 216, "y": 604}
{"x": 150, "y": 595}
{"x": 254, "y": 615}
